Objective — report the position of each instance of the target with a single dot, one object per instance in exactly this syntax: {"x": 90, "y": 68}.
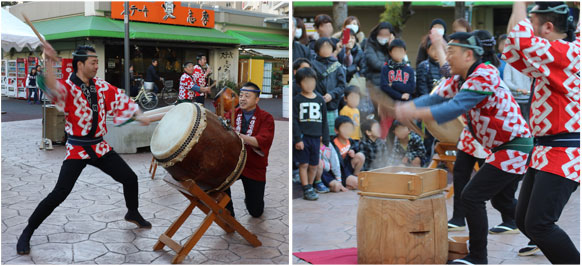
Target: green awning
{"x": 80, "y": 26}
{"x": 361, "y": 3}
{"x": 142, "y": 30}
{"x": 259, "y": 38}
{"x": 92, "y": 26}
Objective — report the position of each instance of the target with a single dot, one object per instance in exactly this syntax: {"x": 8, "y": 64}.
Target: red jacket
{"x": 262, "y": 127}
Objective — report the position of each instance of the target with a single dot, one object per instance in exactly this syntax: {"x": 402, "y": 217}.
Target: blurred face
{"x": 384, "y": 36}
{"x": 397, "y": 54}
{"x": 89, "y": 68}
{"x": 458, "y": 28}
{"x": 432, "y": 52}
{"x": 353, "y": 99}
{"x": 438, "y": 26}
{"x": 189, "y": 69}
{"x": 325, "y": 30}
{"x": 352, "y": 41}
{"x": 325, "y": 50}
{"x": 248, "y": 100}
{"x": 458, "y": 59}
{"x": 155, "y": 63}
{"x": 34, "y": 71}
{"x": 308, "y": 85}
{"x": 375, "y": 130}
{"x": 302, "y": 65}
{"x": 345, "y": 130}
{"x": 401, "y": 132}
{"x": 202, "y": 61}
{"x": 501, "y": 46}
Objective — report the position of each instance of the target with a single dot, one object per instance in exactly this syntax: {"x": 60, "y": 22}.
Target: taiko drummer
{"x": 494, "y": 120}
{"x": 86, "y": 101}
{"x": 257, "y": 128}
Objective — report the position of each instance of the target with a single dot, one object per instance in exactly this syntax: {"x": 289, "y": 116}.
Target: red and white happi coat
{"x": 471, "y": 146}
{"x": 555, "y": 106}
{"x": 69, "y": 98}
{"x": 186, "y": 84}
{"x": 198, "y": 76}
{"x": 496, "y": 120}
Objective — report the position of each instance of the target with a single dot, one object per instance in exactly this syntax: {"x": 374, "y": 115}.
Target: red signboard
{"x": 167, "y": 12}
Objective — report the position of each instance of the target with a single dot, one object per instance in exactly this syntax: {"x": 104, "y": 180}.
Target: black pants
{"x": 462, "y": 171}
{"x": 199, "y": 99}
{"x": 492, "y": 184}
{"x": 254, "y": 197}
{"x": 541, "y": 200}
{"x": 111, "y": 163}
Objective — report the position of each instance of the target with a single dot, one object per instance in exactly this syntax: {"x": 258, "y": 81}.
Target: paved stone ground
{"x": 330, "y": 223}
{"x": 88, "y": 228}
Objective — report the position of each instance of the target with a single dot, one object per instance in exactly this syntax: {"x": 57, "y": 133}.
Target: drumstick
{"x": 388, "y": 105}
{"x": 42, "y": 40}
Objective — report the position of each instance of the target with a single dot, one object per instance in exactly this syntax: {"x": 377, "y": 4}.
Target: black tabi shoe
{"x": 136, "y": 218}
{"x": 23, "y": 245}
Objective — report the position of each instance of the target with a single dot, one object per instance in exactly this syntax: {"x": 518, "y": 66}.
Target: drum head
{"x": 177, "y": 132}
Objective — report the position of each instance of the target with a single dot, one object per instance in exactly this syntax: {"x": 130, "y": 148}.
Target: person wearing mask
{"x": 300, "y": 40}
{"x": 376, "y": 51}
{"x": 441, "y": 26}
{"x": 352, "y": 23}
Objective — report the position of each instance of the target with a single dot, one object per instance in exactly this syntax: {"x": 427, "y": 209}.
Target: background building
{"x": 227, "y": 32}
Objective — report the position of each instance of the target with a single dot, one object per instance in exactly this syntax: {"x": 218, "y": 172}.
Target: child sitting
{"x": 351, "y": 161}
{"x": 374, "y": 148}
{"x": 329, "y": 170}
{"x": 352, "y": 99}
{"x": 408, "y": 148}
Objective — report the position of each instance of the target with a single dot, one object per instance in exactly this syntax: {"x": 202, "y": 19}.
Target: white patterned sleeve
{"x": 119, "y": 105}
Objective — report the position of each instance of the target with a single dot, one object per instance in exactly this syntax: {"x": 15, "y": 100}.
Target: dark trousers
{"x": 541, "y": 200}
{"x": 32, "y": 91}
{"x": 492, "y": 184}
{"x": 254, "y": 197}
{"x": 199, "y": 99}
{"x": 462, "y": 171}
{"x": 111, "y": 163}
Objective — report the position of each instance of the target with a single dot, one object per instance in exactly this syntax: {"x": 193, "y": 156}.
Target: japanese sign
{"x": 167, "y": 12}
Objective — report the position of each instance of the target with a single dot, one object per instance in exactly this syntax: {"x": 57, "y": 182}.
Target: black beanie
{"x": 438, "y": 21}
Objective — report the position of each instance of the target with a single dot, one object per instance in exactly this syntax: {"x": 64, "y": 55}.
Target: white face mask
{"x": 353, "y": 27}
{"x": 440, "y": 31}
{"x": 298, "y": 33}
{"x": 382, "y": 41}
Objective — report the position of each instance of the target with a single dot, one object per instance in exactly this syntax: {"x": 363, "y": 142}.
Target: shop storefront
{"x": 171, "y": 32}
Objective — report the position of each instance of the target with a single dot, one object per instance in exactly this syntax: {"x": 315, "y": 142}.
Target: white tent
{"x": 16, "y": 34}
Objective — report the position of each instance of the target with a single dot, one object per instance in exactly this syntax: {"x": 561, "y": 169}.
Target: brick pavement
{"x": 330, "y": 223}
{"x": 88, "y": 228}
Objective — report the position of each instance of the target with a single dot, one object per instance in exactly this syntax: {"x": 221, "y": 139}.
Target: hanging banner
{"x": 166, "y": 12}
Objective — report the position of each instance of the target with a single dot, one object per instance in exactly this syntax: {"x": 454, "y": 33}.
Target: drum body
{"x": 402, "y": 231}
{"x": 192, "y": 143}
{"x": 448, "y": 132}
{"x": 226, "y": 98}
